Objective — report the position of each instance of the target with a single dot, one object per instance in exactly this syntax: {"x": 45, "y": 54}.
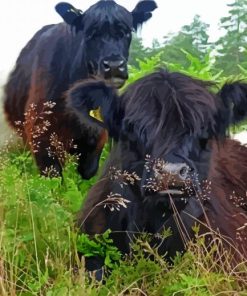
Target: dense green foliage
{"x": 228, "y": 53}
{"x": 39, "y": 245}
{"x": 232, "y": 50}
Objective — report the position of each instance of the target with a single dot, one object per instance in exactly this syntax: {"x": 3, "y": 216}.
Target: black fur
{"x": 234, "y": 97}
{"x": 171, "y": 117}
{"x": 91, "y": 43}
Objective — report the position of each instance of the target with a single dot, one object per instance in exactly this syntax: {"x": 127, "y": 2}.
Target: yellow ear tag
{"x": 96, "y": 114}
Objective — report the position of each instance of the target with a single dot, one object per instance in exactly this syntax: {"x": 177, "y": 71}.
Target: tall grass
{"x": 38, "y": 245}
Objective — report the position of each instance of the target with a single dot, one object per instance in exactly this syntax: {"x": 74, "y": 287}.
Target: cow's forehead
{"x": 169, "y": 106}
{"x": 107, "y": 12}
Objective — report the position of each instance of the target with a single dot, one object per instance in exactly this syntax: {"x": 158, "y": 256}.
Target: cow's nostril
{"x": 121, "y": 63}
{"x": 107, "y": 66}
{"x": 122, "y": 66}
{"x": 183, "y": 172}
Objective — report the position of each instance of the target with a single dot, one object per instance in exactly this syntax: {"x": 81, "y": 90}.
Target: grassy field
{"x": 38, "y": 245}
{"x": 38, "y": 242}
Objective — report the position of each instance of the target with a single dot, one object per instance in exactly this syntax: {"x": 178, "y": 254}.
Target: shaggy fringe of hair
{"x": 170, "y": 106}
{"x": 107, "y": 12}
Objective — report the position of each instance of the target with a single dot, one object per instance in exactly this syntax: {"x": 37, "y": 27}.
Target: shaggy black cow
{"x": 93, "y": 43}
{"x": 180, "y": 124}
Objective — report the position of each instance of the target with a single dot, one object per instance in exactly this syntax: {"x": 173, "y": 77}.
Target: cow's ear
{"x": 143, "y": 12}
{"x": 71, "y": 15}
{"x": 91, "y": 95}
{"x": 234, "y": 97}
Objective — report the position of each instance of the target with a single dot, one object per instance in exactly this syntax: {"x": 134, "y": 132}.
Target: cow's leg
{"x": 47, "y": 161}
{"x": 96, "y": 217}
{"x": 44, "y": 153}
{"x": 48, "y": 166}
{"x": 92, "y": 219}
{"x": 88, "y": 164}
{"x": 42, "y": 118}
{"x": 89, "y": 150}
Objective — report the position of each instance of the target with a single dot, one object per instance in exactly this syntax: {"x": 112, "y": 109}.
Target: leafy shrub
{"x": 101, "y": 246}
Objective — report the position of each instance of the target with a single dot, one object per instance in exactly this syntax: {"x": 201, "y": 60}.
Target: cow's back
{"x": 37, "y": 55}
{"x": 227, "y": 207}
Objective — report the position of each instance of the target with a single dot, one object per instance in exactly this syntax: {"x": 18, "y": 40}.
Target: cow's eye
{"x": 91, "y": 34}
{"x": 123, "y": 34}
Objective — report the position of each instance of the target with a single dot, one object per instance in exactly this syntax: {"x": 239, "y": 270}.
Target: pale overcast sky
{"x": 20, "y": 19}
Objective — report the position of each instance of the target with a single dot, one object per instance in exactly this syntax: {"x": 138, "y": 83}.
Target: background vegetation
{"x": 228, "y": 54}
{"x": 38, "y": 242}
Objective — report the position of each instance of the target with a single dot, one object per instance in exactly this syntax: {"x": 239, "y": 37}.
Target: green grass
{"x": 239, "y": 128}
{"x": 38, "y": 245}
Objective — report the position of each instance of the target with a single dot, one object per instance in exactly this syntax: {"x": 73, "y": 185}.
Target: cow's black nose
{"x": 178, "y": 170}
{"x": 115, "y": 68}
{"x": 181, "y": 170}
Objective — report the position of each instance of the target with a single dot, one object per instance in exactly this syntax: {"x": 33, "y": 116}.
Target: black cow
{"x": 93, "y": 43}
{"x": 179, "y": 123}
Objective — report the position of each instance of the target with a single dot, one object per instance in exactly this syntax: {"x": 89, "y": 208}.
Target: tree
{"x": 231, "y": 47}
{"x": 137, "y": 51}
{"x": 197, "y": 31}
{"x": 192, "y": 38}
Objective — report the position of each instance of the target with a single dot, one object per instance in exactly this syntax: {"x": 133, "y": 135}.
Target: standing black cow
{"x": 182, "y": 125}
{"x": 93, "y": 43}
